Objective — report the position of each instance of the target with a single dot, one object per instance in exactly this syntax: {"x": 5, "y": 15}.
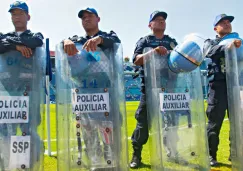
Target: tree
{"x": 126, "y": 59}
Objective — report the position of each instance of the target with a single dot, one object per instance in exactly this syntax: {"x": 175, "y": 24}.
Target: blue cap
{"x": 90, "y": 10}
{"x": 221, "y": 17}
{"x": 19, "y": 5}
{"x": 156, "y": 14}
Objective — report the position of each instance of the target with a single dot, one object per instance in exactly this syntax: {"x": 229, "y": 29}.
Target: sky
{"x": 58, "y": 19}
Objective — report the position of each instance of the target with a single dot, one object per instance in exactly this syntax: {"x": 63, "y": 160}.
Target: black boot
{"x": 229, "y": 159}
{"x": 136, "y": 158}
{"x": 213, "y": 161}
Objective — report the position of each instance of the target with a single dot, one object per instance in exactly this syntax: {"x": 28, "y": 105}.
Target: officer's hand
{"x": 25, "y": 51}
{"x": 92, "y": 44}
{"x": 161, "y": 50}
{"x": 69, "y": 47}
{"x": 237, "y": 43}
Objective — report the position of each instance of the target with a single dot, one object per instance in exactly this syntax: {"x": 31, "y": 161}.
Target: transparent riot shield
{"x": 176, "y": 117}
{"x": 21, "y": 111}
{"x": 204, "y": 76}
{"x": 234, "y": 77}
{"x": 91, "y": 117}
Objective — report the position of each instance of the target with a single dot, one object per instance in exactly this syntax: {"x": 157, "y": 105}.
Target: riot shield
{"x": 91, "y": 117}
{"x": 234, "y": 77}
{"x": 176, "y": 117}
{"x": 204, "y": 76}
{"x": 21, "y": 110}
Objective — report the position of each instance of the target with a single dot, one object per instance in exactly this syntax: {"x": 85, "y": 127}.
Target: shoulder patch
{"x": 173, "y": 42}
{"x": 10, "y": 33}
{"x": 211, "y": 41}
{"x": 172, "y": 39}
{"x": 140, "y": 40}
{"x": 39, "y": 34}
{"x": 112, "y": 32}
{"x": 207, "y": 40}
{"x": 75, "y": 36}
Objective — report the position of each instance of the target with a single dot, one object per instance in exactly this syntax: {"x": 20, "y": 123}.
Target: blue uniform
{"x": 217, "y": 93}
{"x": 108, "y": 39}
{"x": 151, "y": 41}
{"x": 19, "y": 80}
{"x": 140, "y": 134}
{"x": 9, "y": 41}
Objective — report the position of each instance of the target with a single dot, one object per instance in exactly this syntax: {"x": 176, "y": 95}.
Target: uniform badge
{"x": 172, "y": 45}
{"x": 16, "y": 3}
{"x": 223, "y": 15}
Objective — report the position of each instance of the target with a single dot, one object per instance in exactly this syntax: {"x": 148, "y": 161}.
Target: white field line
{"x": 129, "y": 138}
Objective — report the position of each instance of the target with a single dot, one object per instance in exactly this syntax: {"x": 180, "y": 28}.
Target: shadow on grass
{"x": 218, "y": 167}
{"x": 224, "y": 165}
{"x": 145, "y": 166}
{"x": 54, "y": 157}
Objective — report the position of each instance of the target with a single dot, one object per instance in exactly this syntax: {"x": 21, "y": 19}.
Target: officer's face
{"x": 223, "y": 27}
{"x": 90, "y": 21}
{"x": 19, "y": 18}
{"x": 158, "y": 24}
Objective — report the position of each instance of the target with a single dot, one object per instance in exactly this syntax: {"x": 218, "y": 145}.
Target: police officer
{"x": 21, "y": 39}
{"x": 217, "y": 93}
{"x": 161, "y": 44}
{"x": 24, "y": 41}
{"x": 94, "y": 38}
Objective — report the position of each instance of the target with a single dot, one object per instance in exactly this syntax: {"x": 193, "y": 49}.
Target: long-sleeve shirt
{"x": 29, "y": 39}
{"x": 153, "y": 42}
{"x": 216, "y": 52}
{"x": 108, "y": 39}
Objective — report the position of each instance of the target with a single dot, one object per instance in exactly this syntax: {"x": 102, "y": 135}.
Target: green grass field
{"x": 50, "y": 163}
